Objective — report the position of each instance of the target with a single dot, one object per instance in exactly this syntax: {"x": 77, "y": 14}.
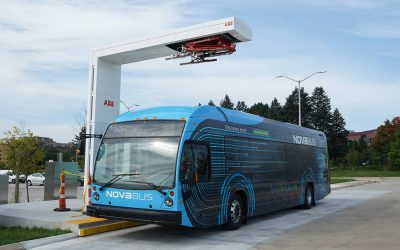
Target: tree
{"x": 2, "y": 165}
{"x": 358, "y": 146}
{"x": 291, "y": 108}
{"x": 385, "y": 136}
{"x": 321, "y": 116}
{"x": 226, "y": 103}
{"x": 241, "y": 106}
{"x": 80, "y": 144}
{"x": 79, "y": 153}
{"x": 260, "y": 109}
{"x": 50, "y": 153}
{"x": 23, "y": 155}
{"x": 275, "y": 110}
{"x": 394, "y": 153}
{"x": 211, "y": 103}
{"x": 361, "y": 150}
{"x": 337, "y": 146}
{"x": 353, "y": 158}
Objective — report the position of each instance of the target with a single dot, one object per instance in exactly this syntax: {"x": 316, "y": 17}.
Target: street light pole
{"x": 299, "y": 82}
{"x": 298, "y": 93}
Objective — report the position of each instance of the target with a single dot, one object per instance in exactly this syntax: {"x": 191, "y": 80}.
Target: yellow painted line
{"x": 86, "y": 220}
{"x": 108, "y": 227}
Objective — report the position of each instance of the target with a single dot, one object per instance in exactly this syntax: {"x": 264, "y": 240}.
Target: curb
{"x": 86, "y": 230}
{"x": 94, "y": 225}
{"x": 358, "y": 183}
{"x": 38, "y": 242}
{"x": 13, "y": 246}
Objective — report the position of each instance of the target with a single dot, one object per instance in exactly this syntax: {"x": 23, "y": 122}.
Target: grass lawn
{"x": 10, "y": 235}
{"x": 363, "y": 173}
{"x": 340, "y": 180}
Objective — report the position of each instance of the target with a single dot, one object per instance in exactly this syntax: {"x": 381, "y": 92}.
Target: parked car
{"x": 36, "y": 179}
{"x": 4, "y": 171}
{"x": 11, "y": 176}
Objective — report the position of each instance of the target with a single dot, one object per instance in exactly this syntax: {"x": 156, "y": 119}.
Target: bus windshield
{"x": 142, "y": 152}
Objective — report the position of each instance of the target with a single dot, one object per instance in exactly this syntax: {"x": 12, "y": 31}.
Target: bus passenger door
{"x": 194, "y": 176}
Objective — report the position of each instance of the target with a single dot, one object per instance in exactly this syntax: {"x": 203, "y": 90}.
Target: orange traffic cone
{"x": 89, "y": 190}
{"x": 62, "y": 206}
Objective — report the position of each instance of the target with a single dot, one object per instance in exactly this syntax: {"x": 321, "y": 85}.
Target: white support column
{"x": 103, "y": 104}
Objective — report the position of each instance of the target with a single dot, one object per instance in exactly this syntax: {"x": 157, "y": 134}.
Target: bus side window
{"x": 194, "y": 167}
{"x": 201, "y": 162}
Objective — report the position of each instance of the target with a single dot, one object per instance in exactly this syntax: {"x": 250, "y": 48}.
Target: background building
{"x": 60, "y": 147}
{"x": 368, "y": 136}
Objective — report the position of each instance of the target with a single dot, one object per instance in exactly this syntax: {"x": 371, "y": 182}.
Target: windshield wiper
{"x": 158, "y": 188}
{"x": 116, "y": 178}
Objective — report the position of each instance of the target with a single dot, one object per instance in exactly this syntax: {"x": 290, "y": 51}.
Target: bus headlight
{"x": 96, "y": 196}
{"x": 169, "y": 201}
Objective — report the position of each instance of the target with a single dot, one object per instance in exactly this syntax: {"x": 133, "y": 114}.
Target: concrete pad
{"x": 341, "y": 211}
{"x": 41, "y": 214}
{"x": 373, "y": 224}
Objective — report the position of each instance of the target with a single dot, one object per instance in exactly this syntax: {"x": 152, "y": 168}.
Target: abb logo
{"x": 108, "y": 103}
{"x": 229, "y": 23}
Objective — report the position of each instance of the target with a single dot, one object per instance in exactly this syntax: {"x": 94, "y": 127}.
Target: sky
{"x": 45, "y": 47}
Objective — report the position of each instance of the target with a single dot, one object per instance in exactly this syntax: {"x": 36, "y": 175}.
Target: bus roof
{"x": 184, "y": 112}
{"x": 208, "y": 112}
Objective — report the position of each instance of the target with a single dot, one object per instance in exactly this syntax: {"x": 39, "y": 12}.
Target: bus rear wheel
{"x": 308, "y": 197}
{"x": 235, "y": 212}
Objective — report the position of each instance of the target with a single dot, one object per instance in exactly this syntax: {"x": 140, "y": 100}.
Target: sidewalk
{"x": 41, "y": 214}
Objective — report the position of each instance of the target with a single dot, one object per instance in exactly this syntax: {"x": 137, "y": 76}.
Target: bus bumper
{"x": 151, "y": 216}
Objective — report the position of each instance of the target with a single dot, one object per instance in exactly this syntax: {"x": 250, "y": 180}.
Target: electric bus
{"x": 205, "y": 166}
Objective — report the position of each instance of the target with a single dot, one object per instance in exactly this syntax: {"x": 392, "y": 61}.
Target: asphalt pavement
{"x": 359, "y": 217}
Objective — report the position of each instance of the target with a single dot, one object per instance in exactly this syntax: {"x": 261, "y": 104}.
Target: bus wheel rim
{"x": 236, "y": 211}
{"x": 309, "y": 197}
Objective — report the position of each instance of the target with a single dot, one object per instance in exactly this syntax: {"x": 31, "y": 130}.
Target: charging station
{"x": 199, "y": 42}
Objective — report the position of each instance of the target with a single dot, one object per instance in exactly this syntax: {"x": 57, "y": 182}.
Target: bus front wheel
{"x": 308, "y": 197}
{"x": 235, "y": 212}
